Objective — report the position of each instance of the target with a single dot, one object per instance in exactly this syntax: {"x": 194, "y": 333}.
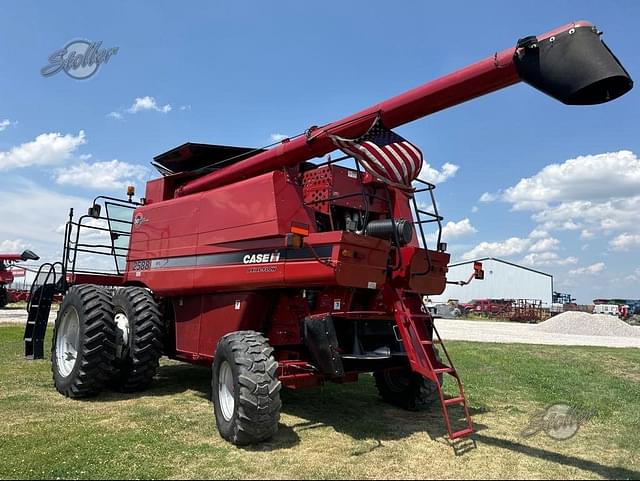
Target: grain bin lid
{"x": 190, "y": 157}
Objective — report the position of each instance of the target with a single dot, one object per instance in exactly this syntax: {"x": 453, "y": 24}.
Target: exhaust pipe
{"x": 574, "y": 66}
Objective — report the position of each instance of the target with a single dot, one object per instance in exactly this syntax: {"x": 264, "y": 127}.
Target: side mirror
{"x": 478, "y": 271}
{"x": 94, "y": 211}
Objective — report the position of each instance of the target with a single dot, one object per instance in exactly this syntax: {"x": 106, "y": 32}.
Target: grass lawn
{"x": 339, "y": 431}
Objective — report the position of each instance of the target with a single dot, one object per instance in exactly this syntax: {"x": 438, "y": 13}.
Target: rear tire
{"x": 83, "y": 342}
{"x": 246, "y": 390}
{"x": 140, "y": 334}
{"x": 406, "y": 389}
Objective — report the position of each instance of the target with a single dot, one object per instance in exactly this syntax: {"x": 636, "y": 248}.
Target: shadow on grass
{"x": 356, "y": 411}
{"x": 351, "y": 409}
{"x": 607, "y": 472}
{"x": 170, "y": 380}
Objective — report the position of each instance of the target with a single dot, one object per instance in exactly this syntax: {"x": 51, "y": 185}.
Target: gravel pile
{"x": 585, "y": 324}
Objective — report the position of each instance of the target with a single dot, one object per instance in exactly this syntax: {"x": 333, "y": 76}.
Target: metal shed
{"x": 503, "y": 280}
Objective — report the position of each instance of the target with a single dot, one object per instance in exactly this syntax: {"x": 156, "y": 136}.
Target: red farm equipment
{"x": 280, "y": 272}
{"x": 7, "y": 274}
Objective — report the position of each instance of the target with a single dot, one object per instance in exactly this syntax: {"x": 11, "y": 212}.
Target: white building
{"x": 502, "y": 280}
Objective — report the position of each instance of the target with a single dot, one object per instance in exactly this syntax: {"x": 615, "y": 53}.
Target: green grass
{"x": 340, "y": 431}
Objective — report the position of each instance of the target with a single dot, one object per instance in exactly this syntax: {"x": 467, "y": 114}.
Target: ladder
{"x": 414, "y": 328}
{"x": 42, "y": 291}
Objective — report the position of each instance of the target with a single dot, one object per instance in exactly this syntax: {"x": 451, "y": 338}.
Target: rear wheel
{"x": 140, "y": 334}
{"x": 246, "y": 391}
{"x": 83, "y": 342}
{"x": 406, "y": 389}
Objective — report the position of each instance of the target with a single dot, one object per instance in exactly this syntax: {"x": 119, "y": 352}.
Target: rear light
{"x": 299, "y": 229}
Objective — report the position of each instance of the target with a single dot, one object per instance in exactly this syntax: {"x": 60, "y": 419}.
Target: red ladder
{"x": 419, "y": 344}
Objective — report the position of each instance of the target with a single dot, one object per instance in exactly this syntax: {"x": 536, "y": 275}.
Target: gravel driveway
{"x": 19, "y": 316}
{"x": 513, "y": 332}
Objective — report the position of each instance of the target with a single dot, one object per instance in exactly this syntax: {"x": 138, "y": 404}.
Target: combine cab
{"x": 281, "y": 272}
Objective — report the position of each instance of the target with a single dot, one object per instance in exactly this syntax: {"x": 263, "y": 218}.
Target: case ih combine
{"x": 280, "y": 272}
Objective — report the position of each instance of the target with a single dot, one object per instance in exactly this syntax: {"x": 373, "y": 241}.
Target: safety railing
{"x": 99, "y": 240}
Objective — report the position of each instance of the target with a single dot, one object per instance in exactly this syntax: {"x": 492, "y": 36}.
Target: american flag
{"x": 384, "y": 154}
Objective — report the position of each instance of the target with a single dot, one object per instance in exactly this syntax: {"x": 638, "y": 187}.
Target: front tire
{"x": 246, "y": 390}
{"x": 83, "y": 342}
{"x": 140, "y": 334}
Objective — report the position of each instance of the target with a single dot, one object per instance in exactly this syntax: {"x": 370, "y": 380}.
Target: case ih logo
{"x": 261, "y": 258}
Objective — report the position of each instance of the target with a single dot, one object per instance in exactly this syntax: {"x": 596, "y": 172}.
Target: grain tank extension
{"x": 280, "y": 272}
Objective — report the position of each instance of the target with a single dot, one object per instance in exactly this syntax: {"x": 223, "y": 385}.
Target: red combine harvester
{"x": 7, "y": 262}
{"x": 281, "y": 272}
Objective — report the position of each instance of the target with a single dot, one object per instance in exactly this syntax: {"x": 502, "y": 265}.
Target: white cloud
{"x": 46, "y": 149}
{"x": 474, "y": 209}
{"x": 113, "y": 174}
{"x": 147, "y": 103}
{"x": 509, "y": 247}
{"x": 596, "y": 177}
{"x": 185, "y": 107}
{"x": 16, "y": 246}
{"x": 592, "y": 193}
{"x": 435, "y": 176}
{"x": 613, "y": 215}
{"x": 547, "y": 259}
{"x": 633, "y": 277}
{"x": 586, "y": 234}
{"x": 115, "y": 115}
{"x": 488, "y": 197}
{"x": 40, "y": 211}
{"x": 592, "y": 269}
{"x": 454, "y": 230}
{"x": 545, "y": 245}
{"x": 625, "y": 242}
{"x": 540, "y": 249}
{"x": 538, "y": 233}
{"x": 5, "y": 123}
{"x": 278, "y": 137}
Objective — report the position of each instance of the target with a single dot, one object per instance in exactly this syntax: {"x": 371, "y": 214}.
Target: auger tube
{"x": 569, "y": 63}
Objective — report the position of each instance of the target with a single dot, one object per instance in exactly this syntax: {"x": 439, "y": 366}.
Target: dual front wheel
{"x": 106, "y": 340}
{"x": 115, "y": 340}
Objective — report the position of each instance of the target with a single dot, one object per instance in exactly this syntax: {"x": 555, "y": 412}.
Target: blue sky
{"x": 240, "y": 72}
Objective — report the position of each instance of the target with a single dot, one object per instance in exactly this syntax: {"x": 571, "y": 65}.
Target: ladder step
{"x": 426, "y": 343}
{"x": 455, "y": 400}
{"x": 461, "y": 434}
